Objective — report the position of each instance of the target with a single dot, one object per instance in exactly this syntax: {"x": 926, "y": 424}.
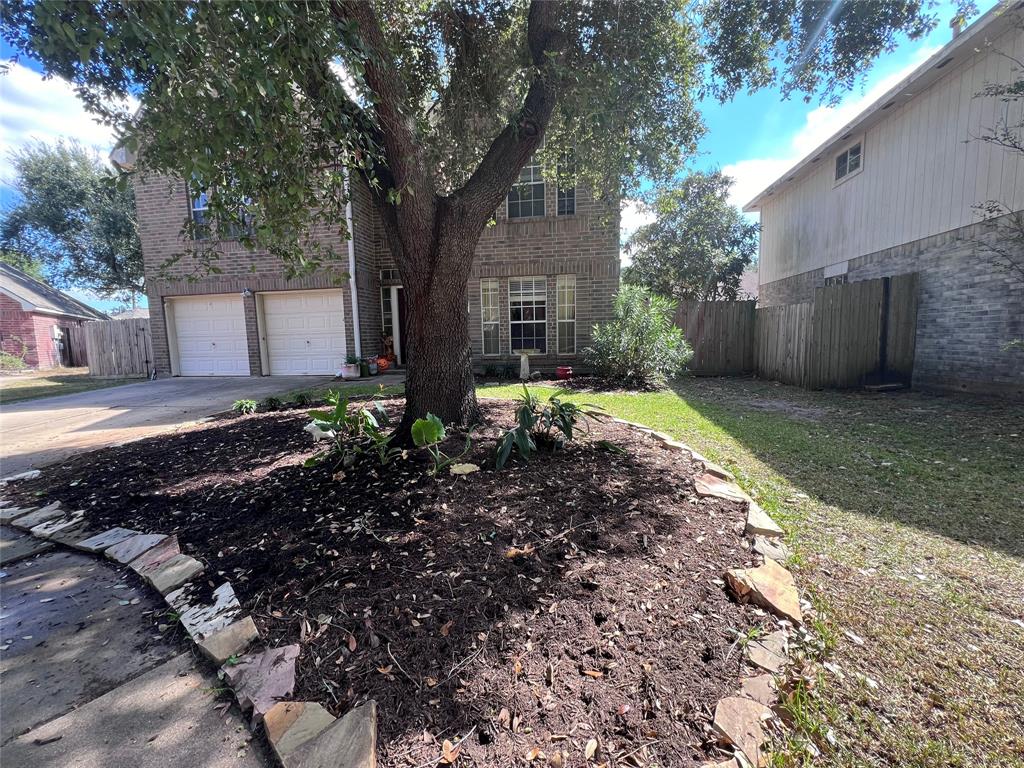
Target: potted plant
{"x": 364, "y": 367}
{"x": 372, "y": 365}
{"x": 350, "y": 370}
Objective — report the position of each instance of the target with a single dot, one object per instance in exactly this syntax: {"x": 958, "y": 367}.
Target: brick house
{"x": 894, "y": 191}
{"x": 37, "y": 321}
{"x": 544, "y": 274}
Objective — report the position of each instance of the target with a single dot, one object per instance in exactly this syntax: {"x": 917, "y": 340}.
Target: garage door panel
{"x": 211, "y": 336}
{"x": 304, "y": 332}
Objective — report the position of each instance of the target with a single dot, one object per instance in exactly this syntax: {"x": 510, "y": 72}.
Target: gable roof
{"x": 958, "y": 50}
{"x": 37, "y": 296}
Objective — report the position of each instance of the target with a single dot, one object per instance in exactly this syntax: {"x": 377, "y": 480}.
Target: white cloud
{"x": 633, "y": 215}
{"x": 32, "y": 108}
{"x": 753, "y": 175}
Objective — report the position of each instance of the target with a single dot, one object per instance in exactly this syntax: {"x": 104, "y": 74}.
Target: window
{"x": 200, "y": 215}
{"x": 528, "y": 305}
{"x": 836, "y": 280}
{"x": 567, "y": 201}
{"x": 848, "y": 161}
{"x": 387, "y": 317}
{"x": 566, "y": 294}
{"x": 526, "y": 198}
{"x": 202, "y": 223}
{"x": 489, "y": 318}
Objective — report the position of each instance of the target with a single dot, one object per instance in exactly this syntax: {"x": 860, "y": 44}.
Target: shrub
{"x": 271, "y": 404}
{"x": 302, "y": 399}
{"x": 351, "y": 434}
{"x": 428, "y": 433}
{"x": 244, "y": 406}
{"x": 640, "y": 346}
{"x": 552, "y": 424}
{"x": 9, "y": 362}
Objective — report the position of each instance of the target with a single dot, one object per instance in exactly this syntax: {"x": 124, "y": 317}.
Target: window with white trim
{"x": 200, "y": 207}
{"x": 489, "y": 316}
{"x": 848, "y": 161}
{"x": 565, "y": 291}
{"x": 565, "y": 196}
{"x": 526, "y": 198}
{"x": 528, "y": 313}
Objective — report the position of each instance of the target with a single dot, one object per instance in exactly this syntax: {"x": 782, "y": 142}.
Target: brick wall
{"x": 31, "y": 333}
{"x": 968, "y": 308}
{"x": 585, "y": 244}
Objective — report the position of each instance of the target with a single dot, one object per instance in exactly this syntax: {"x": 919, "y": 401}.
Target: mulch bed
{"x": 573, "y": 598}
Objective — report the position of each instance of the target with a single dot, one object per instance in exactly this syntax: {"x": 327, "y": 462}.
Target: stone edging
{"x": 740, "y": 720}
{"x": 302, "y": 734}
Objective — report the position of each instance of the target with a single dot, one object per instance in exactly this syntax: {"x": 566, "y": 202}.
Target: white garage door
{"x": 210, "y": 334}
{"x": 304, "y": 332}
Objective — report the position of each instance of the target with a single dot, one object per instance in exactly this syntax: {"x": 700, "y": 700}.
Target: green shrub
{"x": 428, "y": 433}
{"x": 9, "y": 362}
{"x": 550, "y": 424}
{"x": 244, "y": 406}
{"x": 641, "y": 346}
{"x": 351, "y": 434}
{"x": 271, "y": 404}
{"x": 302, "y": 399}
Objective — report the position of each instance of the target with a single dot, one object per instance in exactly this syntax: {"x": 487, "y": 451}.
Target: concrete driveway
{"x": 39, "y": 432}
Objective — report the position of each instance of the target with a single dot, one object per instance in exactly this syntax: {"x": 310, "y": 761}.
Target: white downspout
{"x": 352, "y": 267}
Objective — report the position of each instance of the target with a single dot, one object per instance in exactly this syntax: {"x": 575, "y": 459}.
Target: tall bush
{"x": 640, "y": 347}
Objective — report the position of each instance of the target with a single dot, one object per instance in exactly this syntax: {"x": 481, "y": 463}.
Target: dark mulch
{"x": 539, "y": 607}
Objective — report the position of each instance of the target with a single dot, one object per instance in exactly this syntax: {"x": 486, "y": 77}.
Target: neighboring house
{"x": 893, "y": 192}
{"x": 138, "y": 313}
{"x": 37, "y": 321}
{"x": 544, "y": 274}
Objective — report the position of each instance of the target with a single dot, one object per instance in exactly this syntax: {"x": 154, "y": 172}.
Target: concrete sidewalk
{"x": 89, "y": 679}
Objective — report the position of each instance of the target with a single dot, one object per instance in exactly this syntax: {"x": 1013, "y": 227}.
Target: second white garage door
{"x": 304, "y": 332}
{"x": 210, "y": 335}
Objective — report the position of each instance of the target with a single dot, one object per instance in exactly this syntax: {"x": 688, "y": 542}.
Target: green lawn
{"x": 61, "y": 381}
{"x": 910, "y": 541}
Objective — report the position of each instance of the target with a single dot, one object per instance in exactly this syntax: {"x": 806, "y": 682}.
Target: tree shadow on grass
{"x": 577, "y": 592}
{"x": 949, "y": 464}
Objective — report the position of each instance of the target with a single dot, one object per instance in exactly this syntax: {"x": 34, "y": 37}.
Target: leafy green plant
{"x": 428, "y": 433}
{"x": 351, "y": 433}
{"x": 641, "y": 346}
{"x": 550, "y": 424}
{"x": 244, "y": 406}
{"x": 9, "y": 362}
{"x": 302, "y": 399}
{"x": 271, "y": 403}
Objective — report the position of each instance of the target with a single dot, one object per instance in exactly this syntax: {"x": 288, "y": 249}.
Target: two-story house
{"x": 896, "y": 190}
{"x": 544, "y": 274}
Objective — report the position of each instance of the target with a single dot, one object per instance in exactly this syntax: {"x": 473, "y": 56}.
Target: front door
{"x": 393, "y": 321}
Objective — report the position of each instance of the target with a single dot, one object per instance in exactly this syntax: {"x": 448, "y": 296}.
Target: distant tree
{"x": 30, "y": 266}
{"x": 699, "y": 244}
{"x": 72, "y": 216}
{"x": 437, "y": 105}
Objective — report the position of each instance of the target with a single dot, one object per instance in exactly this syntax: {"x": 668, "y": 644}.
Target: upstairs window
{"x": 201, "y": 216}
{"x": 528, "y": 314}
{"x": 203, "y": 223}
{"x": 848, "y": 161}
{"x": 567, "y": 201}
{"x": 526, "y": 198}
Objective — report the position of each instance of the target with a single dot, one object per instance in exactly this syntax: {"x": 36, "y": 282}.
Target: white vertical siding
{"x": 922, "y": 173}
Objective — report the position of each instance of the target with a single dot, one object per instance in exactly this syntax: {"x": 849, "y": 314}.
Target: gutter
{"x": 352, "y": 266}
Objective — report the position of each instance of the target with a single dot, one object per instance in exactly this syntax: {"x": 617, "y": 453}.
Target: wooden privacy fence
{"x": 119, "y": 347}
{"x": 848, "y": 335}
{"x": 721, "y": 334}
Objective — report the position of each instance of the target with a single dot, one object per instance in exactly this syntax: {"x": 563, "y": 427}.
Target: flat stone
{"x": 173, "y": 573}
{"x": 675, "y": 445}
{"x": 738, "y": 722}
{"x": 129, "y": 549}
{"x": 770, "y": 586}
{"x": 13, "y": 513}
{"x": 260, "y": 680}
{"x": 230, "y": 641}
{"x": 758, "y": 522}
{"x": 15, "y": 546}
{"x": 350, "y": 742}
{"x": 760, "y": 688}
{"x": 290, "y": 724}
{"x": 152, "y": 559}
{"x": 771, "y": 547}
{"x": 105, "y": 540}
{"x": 202, "y": 620}
{"x": 709, "y": 485}
{"x": 73, "y": 534}
{"x": 768, "y": 652}
{"x": 58, "y": 524}
{"x": 31, "y": 474}
{"x": 41, "y": 515}
{"x": 720, "y": 472}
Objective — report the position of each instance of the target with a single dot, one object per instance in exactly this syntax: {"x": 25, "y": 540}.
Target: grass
{"x": 905, "y": 513}
{"x": 32, "y": 385}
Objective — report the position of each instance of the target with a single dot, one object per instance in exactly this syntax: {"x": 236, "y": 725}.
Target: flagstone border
{"x": 741, "y": 720}
{"x": 301, "y": 734}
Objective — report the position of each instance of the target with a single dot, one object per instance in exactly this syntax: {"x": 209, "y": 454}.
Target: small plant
{"x": 551, "y": 424}
{"x": 428, "y": 433}
{"x": 302, "y": 399}
{"x": 351, "y": 434}
{"x": 14, "y": 361}
{"x": 271, "y": 404}
{"x": 351, "y": 360}
{"x": 244, "y": 406}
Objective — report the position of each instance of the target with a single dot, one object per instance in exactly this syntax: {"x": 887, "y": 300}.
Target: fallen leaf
{"x": 593, "y": 673}
{"x": 446, "y": 628}
{"x": 449, "y": 752}
{"x": 464, "y": 469}
{"x": 590, "y": 750}
{"x": 535, "y": 754}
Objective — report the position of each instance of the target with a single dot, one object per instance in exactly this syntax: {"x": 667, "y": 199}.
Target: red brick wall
{"x": 31, "y": 332}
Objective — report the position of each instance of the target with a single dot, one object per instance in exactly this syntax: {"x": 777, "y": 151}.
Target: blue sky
{"x": 755, "y": 138}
